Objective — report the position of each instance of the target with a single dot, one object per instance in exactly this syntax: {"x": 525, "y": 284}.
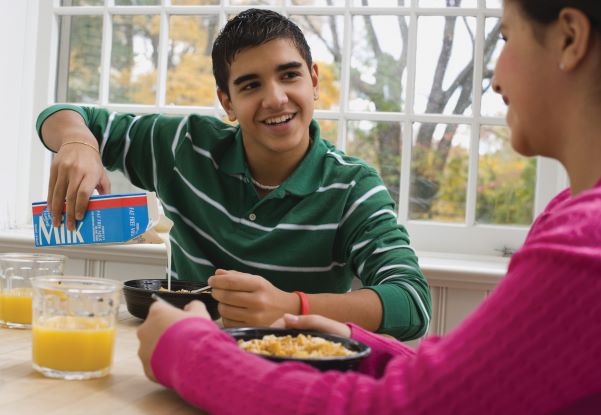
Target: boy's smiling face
{"x": 271, "y": 94}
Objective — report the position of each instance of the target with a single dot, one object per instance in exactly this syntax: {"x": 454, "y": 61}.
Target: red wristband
{"x": 304, "y": 302}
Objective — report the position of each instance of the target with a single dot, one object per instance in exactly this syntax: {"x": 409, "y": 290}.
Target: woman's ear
{"x": 226, "y": 103}
{"x": 574, "y": 29}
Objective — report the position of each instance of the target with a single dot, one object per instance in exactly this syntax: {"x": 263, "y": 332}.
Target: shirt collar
{"x": 304, "y": 180}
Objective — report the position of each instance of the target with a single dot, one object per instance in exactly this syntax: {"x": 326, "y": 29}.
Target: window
{"x": 405, "y": 85}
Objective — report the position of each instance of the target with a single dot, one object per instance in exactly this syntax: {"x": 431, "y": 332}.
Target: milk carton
{"x": 110, "y": 219}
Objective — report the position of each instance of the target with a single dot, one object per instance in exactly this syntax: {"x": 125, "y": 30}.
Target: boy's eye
{"x": 249, "y": 86}
{"x": 291, "y": 75}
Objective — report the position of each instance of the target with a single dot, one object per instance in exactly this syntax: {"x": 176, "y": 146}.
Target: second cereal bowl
{"x": 342, "y": 363}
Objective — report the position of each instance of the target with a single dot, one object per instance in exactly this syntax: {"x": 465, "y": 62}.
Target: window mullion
{"x": 473, "y": 163}
{"x": 161, "y": 83}
{"x": 551, "y": 178}
{"x": 105, "y": 54}
{"x": 407, "y": 125}
{"x": 345, "y": 77}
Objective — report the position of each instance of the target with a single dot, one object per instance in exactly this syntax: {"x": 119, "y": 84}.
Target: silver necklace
{"x": 263, "y": 186}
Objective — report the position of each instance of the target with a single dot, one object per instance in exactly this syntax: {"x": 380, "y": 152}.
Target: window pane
{"x": 505, "y": 180}
{"x": 137, "y": 2}
{"x": 379, "y": 144}
{"x": 79, "y": 59}
{"x": 448, "y": 3}
{"x": 317, "y": 2}
{"x": 492, "y": 103}
{"x": 193, "y": 2}
{"x": 439, "y": 168}
{"x": 324, "y": 36}
{"x": 252, "y": 3}
{"x": 496, "y": 4}
{"x": 190, "y": 78}
{"x": 382, "y": 3}
{"x": 378, "y": 63}
{"x": 82, "y": 2}
{"x": 134, "y": 59}
{"x": 445, "y": 59}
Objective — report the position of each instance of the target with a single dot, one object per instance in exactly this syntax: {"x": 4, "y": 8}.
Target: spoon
{"x": 201, "y": 290}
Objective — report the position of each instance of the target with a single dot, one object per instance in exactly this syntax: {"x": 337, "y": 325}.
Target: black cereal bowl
{"x": 137, "y": 295}
{"x": 342, "y": 363}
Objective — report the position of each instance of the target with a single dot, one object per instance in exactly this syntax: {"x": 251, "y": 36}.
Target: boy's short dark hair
{"x": 252, "y": 28}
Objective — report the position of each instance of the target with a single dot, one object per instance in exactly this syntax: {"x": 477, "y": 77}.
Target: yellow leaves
{"x": 191, "y": 82}
{"x": 329, "y": 86}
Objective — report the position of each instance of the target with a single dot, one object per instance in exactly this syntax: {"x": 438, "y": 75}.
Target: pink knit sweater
{"x": 532, "y": 347}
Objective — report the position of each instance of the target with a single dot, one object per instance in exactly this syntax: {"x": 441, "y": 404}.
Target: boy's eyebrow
{"x": 289, "y": 65}
{"x": 279, "y": 68}
{"x": 244, "y": 78}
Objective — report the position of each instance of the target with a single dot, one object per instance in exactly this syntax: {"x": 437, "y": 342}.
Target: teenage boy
{"x": 271, "y": 215}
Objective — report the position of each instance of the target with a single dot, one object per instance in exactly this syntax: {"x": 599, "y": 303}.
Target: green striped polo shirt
{"x": 330, "y": 221}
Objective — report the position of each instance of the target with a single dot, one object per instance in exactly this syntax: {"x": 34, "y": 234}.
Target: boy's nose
{"x": 275, "y": 96}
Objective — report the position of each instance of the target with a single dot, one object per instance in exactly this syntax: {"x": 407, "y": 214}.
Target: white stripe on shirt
{"x": 260, "y": 265}
{"x": 177, "y": 134}
{"x": 127, "y": 144}
{"x": 362, "y": 199}
{"x": 242, "y": 221}
{"x": 107, "y": 130}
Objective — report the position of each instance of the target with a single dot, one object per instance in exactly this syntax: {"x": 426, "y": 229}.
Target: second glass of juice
{"x": 74, "y": 321}
{"x": 16, "y": 272}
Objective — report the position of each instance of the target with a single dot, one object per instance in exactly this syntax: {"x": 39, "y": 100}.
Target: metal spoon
{"x": 201, "y": 290}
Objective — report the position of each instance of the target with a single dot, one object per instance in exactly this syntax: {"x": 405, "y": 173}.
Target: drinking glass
{"x": 74, "y": 321}
{"x": 16, "y": 272}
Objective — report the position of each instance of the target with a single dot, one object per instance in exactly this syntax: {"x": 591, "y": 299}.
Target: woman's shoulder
{"x": 571, "y": 221}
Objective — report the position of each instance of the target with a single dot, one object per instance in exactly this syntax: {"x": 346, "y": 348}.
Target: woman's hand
{"x": 313, "y": 322}
{"x": 250, "y": 300}
{"x": 160, "y": 317}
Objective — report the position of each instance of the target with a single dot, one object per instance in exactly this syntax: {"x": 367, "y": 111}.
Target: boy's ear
{"x": 315, "y": 80}
{"x": 575, "y": 37}
{"x": 226, "y": 103}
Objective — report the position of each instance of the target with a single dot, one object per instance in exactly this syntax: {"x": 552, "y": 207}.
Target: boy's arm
{"x": 97, "y": 137}
{"x": 379, "y": 251}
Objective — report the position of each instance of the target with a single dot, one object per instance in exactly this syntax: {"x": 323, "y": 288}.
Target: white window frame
{"x": 460, "y": 239}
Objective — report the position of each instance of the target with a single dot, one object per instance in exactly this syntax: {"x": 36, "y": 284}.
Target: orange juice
{"x": 73, "y": 344}
{"x": 15, "y": 305}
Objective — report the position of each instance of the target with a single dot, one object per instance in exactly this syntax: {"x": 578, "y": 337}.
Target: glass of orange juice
{"x": 74, "y": 321}
{"x": 16, "y": 272}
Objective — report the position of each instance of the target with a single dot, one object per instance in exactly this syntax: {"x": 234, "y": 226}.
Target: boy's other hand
{"x": 160, "y": 317}
{"x": 313, "y": 322}
{"x": 75, "y": 172}
{"x": 250, "y": 300}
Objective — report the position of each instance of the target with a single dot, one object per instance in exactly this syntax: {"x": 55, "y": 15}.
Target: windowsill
{"x": 21, "y": 239}
{"x": 462, "y": 270}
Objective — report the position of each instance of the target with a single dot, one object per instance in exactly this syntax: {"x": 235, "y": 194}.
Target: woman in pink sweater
{"x": 532, "y": 347}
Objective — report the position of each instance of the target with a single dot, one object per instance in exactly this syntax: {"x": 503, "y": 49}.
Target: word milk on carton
{"x": 110, "y": 219}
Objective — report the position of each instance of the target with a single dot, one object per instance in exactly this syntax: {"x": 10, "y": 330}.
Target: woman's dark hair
{"x": 251, "y": 28}
{"x": 547, "y": 11}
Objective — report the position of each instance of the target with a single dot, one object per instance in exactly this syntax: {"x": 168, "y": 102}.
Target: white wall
{"x": 18, "y": 20}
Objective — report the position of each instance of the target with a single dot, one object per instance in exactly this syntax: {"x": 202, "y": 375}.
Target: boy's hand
{"x": 75, "y": 172}
{"x": 160, "y": 316}
{"x": 250, "y": 300}
{"x": 313, "y": 322}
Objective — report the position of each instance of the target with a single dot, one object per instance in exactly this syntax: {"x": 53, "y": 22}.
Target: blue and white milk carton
{"x": 110, "y": 219}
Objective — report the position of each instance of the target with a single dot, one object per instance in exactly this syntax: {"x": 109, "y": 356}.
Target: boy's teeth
{"x": 278, "y": 120}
